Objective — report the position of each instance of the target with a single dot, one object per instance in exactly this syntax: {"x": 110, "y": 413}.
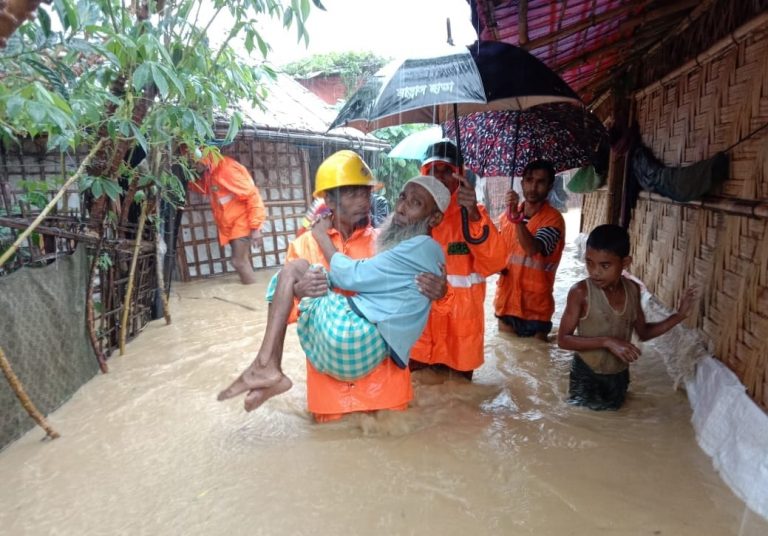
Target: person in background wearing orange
{"x": 345, "y": 183}
{"x": 534, "y": 234}
{"x": 236, "y": 206}
{"x": 453, "y": 339}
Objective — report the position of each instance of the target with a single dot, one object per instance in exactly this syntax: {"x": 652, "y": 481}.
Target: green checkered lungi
{"x": 337, "y": 341}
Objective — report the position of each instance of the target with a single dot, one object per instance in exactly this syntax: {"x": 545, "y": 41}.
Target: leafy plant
{"x": 394, "y": 172}
{"x": 145, "y": 74}
{"x": 350, "y": 66}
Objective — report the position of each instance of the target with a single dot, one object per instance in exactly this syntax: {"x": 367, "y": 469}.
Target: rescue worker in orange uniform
{"x": 534, "y": 234}
{"x": 345, "y": 182}
{"x": 454, "y": 335}
{"x": 236, "y": 206}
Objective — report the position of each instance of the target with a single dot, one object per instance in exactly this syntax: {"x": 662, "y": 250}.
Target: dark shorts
{"x": 596, "y": 391}
{"x": 526, "y": 328}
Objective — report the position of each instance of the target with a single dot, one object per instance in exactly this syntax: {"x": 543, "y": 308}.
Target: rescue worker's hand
{"x": 433, "y": 286}
{"x": 512, "y": 200}
{"x": 624, "y": 350}
{"x": 467, "y": 198}
{"x": 313, "y": 284}
{"x": 257, "y": 240}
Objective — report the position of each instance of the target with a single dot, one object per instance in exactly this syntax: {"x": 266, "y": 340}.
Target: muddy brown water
{"x": 146, "y": 449}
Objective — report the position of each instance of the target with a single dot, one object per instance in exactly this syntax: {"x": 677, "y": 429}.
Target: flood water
{"x": 146, "y": 449}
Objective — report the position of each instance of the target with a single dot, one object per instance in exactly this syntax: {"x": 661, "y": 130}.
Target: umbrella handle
{"x": 465, "y": 229}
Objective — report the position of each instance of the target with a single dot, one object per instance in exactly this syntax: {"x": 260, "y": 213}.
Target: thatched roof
{"x": 594, "y": 43}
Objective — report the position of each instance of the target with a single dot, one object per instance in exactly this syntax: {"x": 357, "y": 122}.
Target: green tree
{"x": 394, "y": 172}
{"x": 146, "y": 73}
{"x": 350, "y": 66}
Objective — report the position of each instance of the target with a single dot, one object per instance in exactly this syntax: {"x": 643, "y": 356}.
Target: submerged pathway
{"x": 146, "y": 449}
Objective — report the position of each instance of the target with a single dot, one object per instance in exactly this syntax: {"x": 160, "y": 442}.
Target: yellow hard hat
{"x": 343, "y": 168}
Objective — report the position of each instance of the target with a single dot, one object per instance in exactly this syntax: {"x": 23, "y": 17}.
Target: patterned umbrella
{"x": 501, "y": 143}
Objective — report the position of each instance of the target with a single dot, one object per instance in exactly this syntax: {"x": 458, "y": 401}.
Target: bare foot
{"x": 254, "y": 377}
{"x": 256, "y": 397}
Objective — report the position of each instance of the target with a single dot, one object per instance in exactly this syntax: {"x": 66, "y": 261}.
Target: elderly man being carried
{"x": 346, "y": 337}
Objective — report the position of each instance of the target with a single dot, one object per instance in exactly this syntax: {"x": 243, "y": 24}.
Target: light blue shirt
{"x": 387, "y": 293}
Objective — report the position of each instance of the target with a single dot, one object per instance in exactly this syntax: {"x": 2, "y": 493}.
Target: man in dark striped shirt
{"x": 534, "y": 234}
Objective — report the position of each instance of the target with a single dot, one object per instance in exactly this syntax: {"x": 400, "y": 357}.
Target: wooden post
{"x": 617, "y": 163}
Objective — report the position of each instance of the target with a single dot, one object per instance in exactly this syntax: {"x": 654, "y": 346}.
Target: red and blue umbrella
{"x": 502, "y": 143}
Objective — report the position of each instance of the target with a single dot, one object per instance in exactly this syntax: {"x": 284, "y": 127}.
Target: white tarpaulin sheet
{"x": 731, "y": 429}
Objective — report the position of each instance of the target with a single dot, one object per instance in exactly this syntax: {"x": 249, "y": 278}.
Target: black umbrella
{"x": 412, "y": 91}
{"x": 431, "y": 90}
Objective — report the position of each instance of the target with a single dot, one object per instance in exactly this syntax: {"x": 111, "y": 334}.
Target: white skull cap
{"x": 437, "y": 190}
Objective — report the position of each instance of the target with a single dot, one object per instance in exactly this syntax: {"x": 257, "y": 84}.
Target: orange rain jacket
{"x": 454, "y": 332}
{"x": 235, "y": 200}
{"x": 525, "y": 291}
{"x": 387, "y": 386}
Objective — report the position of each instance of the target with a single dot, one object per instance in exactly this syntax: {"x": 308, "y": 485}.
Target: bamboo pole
{"x": 131, "y": 277}
{"x": 89, "y": 316}
{"x": 21, "y": 394}
{"x": 159, "y": 266}
{"x": 23, "y": 236}
{"x": 159, "y": 253}
{"x": 522, "y": 23}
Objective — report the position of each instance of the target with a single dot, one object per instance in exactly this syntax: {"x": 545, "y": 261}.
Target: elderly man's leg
{"x": 241, "y": 259}
{"x": 265, "y": 372}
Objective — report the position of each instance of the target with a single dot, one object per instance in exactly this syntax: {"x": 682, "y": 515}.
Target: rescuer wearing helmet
{"x": 453, "y": 337}
{"x": 345, "y": 182}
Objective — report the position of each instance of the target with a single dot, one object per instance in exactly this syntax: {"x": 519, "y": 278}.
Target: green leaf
{"x": 288, "y": 17}
{"x": 235, "y": 121}
{"x": 263, "y": 46}
{"x": 112, "y": 189}
{"x": 140, "y": 138}
{"x": 318, "y": 4}
{"x": 140, "y": 76}
{"x": 96, "y": 188}
{"x": 304, "y": 9}
{"x": 169, "y": 72}
{"x": 159, "y": 79}
{"x": 45, "y": 21}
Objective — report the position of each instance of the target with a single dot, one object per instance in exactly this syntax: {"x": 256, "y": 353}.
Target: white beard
{"x": 391, "y": 234}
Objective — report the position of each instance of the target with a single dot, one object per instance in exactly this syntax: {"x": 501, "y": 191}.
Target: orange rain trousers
{"x": 454, "y": 332}
{"x": 525, "y": 291}
{"x": 387, "y": 386}
{"x": 236, "y": 203}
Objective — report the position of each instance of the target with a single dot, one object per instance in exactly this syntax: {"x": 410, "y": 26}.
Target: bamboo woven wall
{"x": 594, "y": 210}
{"x": 719, "y": 245}
{"x": 281, "y": 172}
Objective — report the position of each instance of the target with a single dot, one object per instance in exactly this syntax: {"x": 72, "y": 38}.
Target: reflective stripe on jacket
{"x": 454, "y": 332}
{"x": 525, "y": 291}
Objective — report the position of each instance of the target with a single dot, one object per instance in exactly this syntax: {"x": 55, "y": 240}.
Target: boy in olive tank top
{"x": 599, "y": 317}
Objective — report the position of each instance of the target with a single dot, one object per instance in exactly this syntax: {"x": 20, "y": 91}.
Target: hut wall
{"x": 594, "y": 209}
{"x": 719, "y": 102}
{"x": 281, "y": 172}
{"x": 28, "y": 171}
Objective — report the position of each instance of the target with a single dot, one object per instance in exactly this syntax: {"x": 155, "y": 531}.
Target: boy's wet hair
{"x": 546, "y": 165}
{"x": 611, "y": 238}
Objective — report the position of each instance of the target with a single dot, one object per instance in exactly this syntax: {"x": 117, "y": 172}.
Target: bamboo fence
{"x": 716, "y": 102}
